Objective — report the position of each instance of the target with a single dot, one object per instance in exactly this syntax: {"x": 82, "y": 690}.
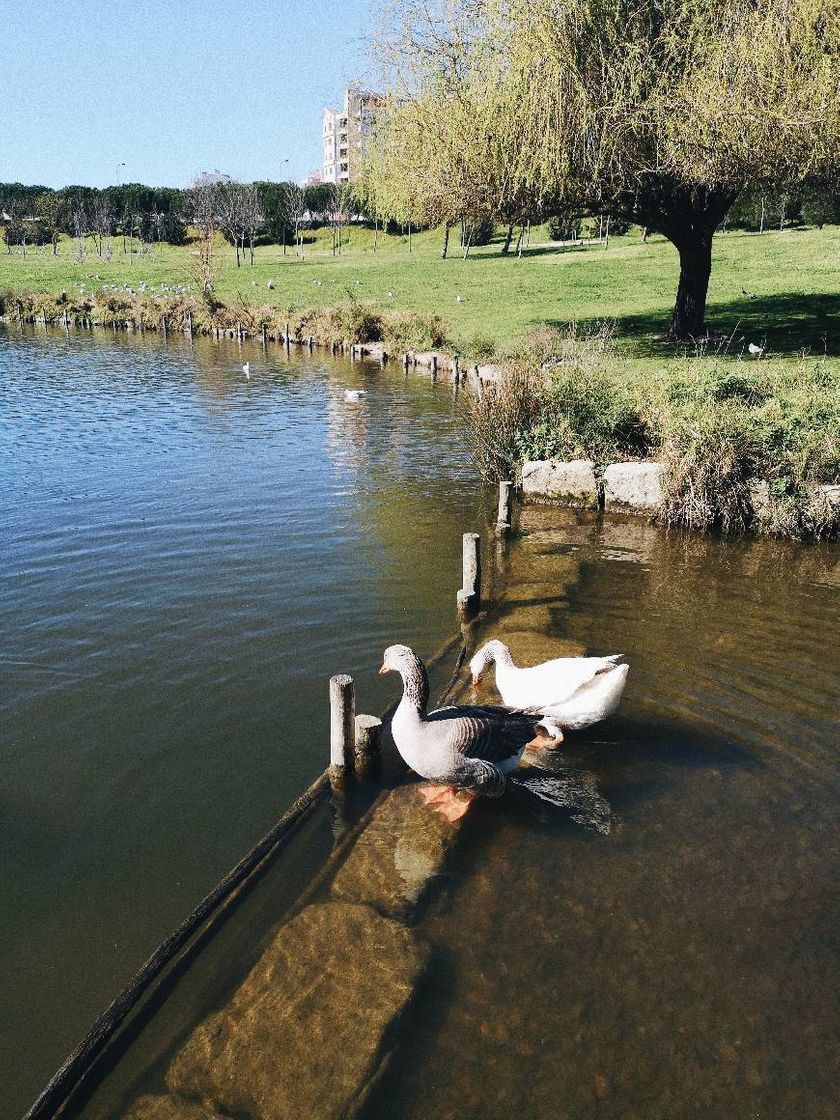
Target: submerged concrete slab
{"x": 169, "y": 1107}
{"x": 397, "y": 854}
{"x": 303, "y": 1035}
{"x": 572, "y": 483}
{"x": 634, "y": 486}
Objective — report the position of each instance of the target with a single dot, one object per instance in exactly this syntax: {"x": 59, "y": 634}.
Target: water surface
{"x": 187, "y": 557}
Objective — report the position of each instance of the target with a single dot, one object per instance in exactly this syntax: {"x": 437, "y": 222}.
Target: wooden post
{"x": 405, "y": 359}
{"x": 163, "y": 323}
{"x": 368, "y": 743}
{"x": 189, "y": 324}
{"x": 66, "y": 324}
{"x": 286, "y": 335}
{"x": 469, "y": 597}
{"x": 239, "y": 332}
{"x": 342, "y": 726}
{"x": 434, "y": 366}
{"x": 311, "y": 342}
{"x": 455, "y": 370}
{"x": 504, "y": 516}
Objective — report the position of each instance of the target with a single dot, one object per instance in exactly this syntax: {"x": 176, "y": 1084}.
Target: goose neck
{"x": 415, "y": 685}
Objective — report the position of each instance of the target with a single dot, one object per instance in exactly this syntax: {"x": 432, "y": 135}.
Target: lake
{"x": 187, "y": 557}
{"x": 191, "y": 555}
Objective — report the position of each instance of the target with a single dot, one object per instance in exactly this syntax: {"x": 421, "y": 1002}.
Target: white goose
{"x": 465, "y": 751}
{"x": 354, "y": 394}
{"x": 572, "y": 692}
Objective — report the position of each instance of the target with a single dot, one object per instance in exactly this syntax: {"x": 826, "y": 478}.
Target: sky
{"x": 154, "y": 91}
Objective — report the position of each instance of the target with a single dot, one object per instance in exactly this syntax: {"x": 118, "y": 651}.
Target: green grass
{"x": 494, "y": 301}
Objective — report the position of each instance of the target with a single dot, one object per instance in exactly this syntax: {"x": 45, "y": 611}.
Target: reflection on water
{"x": 660, "y": 942}
{"x": 642, "y": 927}
{"x": 187, "y": 557}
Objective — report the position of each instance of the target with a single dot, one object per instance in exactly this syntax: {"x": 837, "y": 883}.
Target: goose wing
{"x": 485, "y": 731}
{"x": 556, "y": 681}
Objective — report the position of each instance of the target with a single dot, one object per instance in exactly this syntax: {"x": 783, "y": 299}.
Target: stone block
{"x": 373, "y": 350}
{"x": 303, "y": 1034}
{"x": 634, "y": 486}
{"x": 397, "y": 854}
{"x": 490, "y": 374}
{"x": 572, "y": 483}
{"x": 432, "y": 358}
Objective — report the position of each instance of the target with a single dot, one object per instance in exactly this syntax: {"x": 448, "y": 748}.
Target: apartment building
{"x": 345, "y": 135}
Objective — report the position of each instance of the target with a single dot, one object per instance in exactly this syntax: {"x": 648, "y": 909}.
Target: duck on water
{"x": 463, "y": 751}
{"x": 571, "y": 692}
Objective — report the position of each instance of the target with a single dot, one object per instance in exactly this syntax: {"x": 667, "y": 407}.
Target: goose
{"x": 246, "y": 369}
{"x": 755, "y": 350}
{"x": 572, "y": 692}
{"x": 463, "y": 751}
{"x": 354, "y": 394}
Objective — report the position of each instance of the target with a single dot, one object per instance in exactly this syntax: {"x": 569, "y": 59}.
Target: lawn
{"x": 494, "y": 300}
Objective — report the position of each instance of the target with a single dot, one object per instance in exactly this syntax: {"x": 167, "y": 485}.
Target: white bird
{"x": 246, "y": 369}
{"x": 390, "y": 295}
{"x": 756, "y": 351}
{"x": 749, "y": 295}
{"x": 270, "y": 284}
{"x": 459, "y": 299}
{"x": 572, "y": 692}
{"x": 466, "y": 750}
{"x": 354, "y": 394}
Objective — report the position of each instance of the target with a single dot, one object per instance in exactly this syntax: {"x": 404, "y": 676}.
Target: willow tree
{"x": 656, "y": 111}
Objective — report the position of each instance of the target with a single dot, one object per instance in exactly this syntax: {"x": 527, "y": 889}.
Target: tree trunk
{"x": 445, "y": 248}
{"x": 695, "y": 250}
{"x": 508, "y": 239}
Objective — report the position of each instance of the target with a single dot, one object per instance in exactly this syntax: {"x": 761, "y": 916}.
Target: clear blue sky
{"x": 173, "y": 87}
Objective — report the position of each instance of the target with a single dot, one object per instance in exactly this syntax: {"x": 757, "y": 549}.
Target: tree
{"x": 253, "y": 213}
{"x": 48, "y": 208}
{"x": 202, "y": 204}
{"x": 658, "y": 112}
{"x": 296, "y": 210}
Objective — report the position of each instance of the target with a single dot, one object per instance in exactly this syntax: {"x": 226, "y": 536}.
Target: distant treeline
{"x": 275, "y": 212}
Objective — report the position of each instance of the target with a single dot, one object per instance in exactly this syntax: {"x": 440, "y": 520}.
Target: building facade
{"x": 345, "y": 135}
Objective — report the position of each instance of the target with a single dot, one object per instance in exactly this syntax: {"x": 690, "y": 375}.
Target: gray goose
{"x": 465, "y": 751}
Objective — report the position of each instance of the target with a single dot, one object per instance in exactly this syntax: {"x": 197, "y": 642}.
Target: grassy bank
{"x": 488, "y": 303}
{"x": 608, "y": 389}
{"x": 719, "y": 426}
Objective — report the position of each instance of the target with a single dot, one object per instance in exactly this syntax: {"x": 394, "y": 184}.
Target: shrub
{"x": 496, "y": 420}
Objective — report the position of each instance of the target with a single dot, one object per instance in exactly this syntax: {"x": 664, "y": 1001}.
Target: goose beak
{"x": 384, "y": 670}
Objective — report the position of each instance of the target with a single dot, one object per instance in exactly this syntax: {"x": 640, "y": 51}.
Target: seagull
{"x": 756, "y": 351}
{"x": 459, "y": 299}
{"x": 354, "y": 394}
{"x": 749, "y": 295}
{"x": 270, "y": 284}
{"x": 246, "y": 369}
{"x": 390, "y": 295}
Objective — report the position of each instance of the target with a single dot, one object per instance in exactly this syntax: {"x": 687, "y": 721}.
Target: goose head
{"x": 398, "y": 659}
{"x": 403, "y": 660}
{"x": 489, "y": 653}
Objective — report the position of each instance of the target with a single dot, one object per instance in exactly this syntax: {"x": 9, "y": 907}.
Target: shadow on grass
{"x": 784, "y": 324}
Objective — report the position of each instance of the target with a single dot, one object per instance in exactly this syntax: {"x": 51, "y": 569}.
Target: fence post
{"x": 469, "y": 597}
{"x": 342, "y": 726}
{"x": 368, "y": 743}
{"x": 504, "y": 516}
